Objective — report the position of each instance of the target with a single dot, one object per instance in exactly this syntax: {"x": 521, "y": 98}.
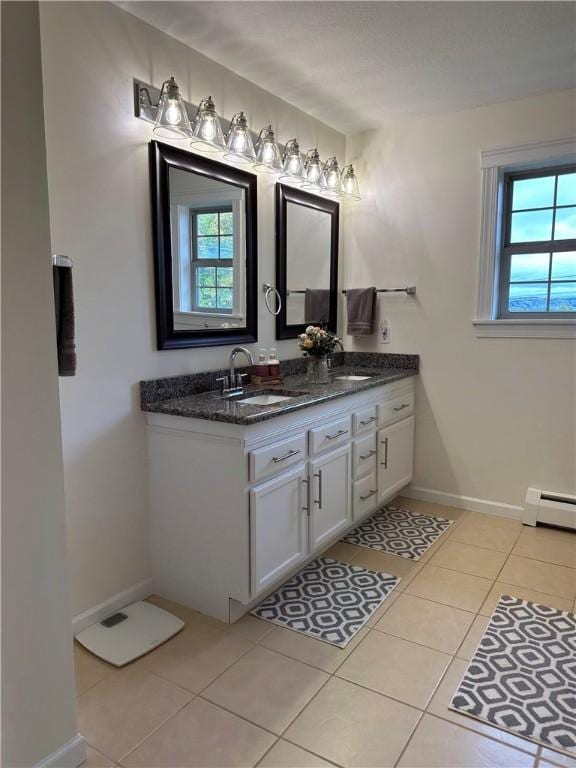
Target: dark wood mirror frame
{"x": 285, "y": 195}
{"x": 162, "y": 158}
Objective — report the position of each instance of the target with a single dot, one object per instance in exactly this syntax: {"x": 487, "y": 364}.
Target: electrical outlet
{"x": 384, "y": 332}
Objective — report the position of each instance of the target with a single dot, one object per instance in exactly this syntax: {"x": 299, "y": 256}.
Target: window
{"x": 212, "y": 256}
{"x": 538, "y": 255}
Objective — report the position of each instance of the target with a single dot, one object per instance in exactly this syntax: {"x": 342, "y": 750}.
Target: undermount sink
{"x": 352, "y": 377}
{"x": 264, "y": 399}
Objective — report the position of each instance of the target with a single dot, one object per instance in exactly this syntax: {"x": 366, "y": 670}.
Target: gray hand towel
{"x": 64, "y": 308}
{"x": 317, "y": 305}
{"x": 360, "y": 303}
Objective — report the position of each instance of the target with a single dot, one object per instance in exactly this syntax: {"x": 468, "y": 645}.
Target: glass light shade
{"x": 312, "y": 169}
{"x": 207, "y": 133}
{"x": 268, "y": 157}
{"x": 292, "y": 162}
{"x": 331, "y": 176}
{"x": 239, "y": 144}
{"x": 349, "y": 183}
{"x": 172, "y": 121}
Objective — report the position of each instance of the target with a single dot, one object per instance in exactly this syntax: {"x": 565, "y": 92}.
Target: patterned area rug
{"x": 523, "y": 675}
{"x": 328, "y": 600}
{"x": 398, "y": 531}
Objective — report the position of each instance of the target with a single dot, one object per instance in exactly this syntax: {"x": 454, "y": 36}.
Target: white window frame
{"x": 494, "y": 164}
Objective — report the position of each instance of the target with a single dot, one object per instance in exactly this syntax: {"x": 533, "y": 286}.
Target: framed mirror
{"x": 205, "y": 253}
{"x": 307, "y": 231}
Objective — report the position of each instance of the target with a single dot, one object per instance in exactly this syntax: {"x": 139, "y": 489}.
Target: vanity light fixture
{"x": 268, "y": 158}
{"x": 349, "y": 182}
{"x": 172, "y": 121}
{"x": 169, "y": 114}
{"x": 313, "y": 169}
{"x": 240, "y": 148}
{"x": 207, "y": 133}
{"x": 292, "y": 162}
{"x": 331, "y": 177}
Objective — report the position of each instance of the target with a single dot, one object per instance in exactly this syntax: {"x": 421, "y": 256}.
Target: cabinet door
{"x": 278, "y": 527}
{"x": 330, "y": 496}
{"x": 395, "y": 457}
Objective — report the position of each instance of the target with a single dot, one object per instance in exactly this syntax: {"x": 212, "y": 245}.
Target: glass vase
{"x": 318, "y": 370}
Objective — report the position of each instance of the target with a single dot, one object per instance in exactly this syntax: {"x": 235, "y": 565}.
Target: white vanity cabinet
{"x": 238, "y": 509}
{"x": 330, "y": 497}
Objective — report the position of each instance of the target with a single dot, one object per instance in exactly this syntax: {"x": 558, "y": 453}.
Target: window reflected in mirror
{"x": 208, "y": 252}
{"x": 205, "y": 253}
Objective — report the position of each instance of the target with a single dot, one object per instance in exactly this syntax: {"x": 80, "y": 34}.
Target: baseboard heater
{"x": 558, "y": 509}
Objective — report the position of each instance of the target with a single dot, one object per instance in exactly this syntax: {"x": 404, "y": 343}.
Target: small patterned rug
{"x": 398, "y": 531}
{"x": 328, "y": 600}
{"x": 522, "y": 678}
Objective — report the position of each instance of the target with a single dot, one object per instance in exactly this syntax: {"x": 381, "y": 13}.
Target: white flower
{"x": 310, "y": 329}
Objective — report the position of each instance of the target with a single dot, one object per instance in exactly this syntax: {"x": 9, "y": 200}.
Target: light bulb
{"x": 331, "y": 175}
{"x": 208, "y": 128}
{"x": 172, "y": 120}
{"x": 349, "y": 183}
{"x": 292, "y": 162}
{"x": 267, "y": 152}
{"x": 173, "y": 114}
{"x": 239, "y": 141}
{"x": 239, "y": 144}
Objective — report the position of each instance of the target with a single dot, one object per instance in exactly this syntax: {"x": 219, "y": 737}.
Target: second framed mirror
{"x": 307, "y": 232}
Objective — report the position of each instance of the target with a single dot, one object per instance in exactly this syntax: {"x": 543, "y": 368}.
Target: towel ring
{"x": 268, "y": 289}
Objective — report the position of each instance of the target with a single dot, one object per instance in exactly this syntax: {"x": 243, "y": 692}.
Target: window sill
{"x": 525, "y": 329}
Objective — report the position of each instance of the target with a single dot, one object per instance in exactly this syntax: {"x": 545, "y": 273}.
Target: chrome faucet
{"x": 330, "y": 358}
{"x": 233, "y": 384}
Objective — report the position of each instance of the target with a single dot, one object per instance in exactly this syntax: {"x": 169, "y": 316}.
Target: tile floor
{"x": 255, "y": 694}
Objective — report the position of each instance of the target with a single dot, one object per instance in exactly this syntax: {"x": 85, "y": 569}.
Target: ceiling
{"x": 354, "y": 65}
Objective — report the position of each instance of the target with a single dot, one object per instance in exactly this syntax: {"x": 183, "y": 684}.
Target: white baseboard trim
{"x": 131, "y": 595}
{"x": 498, "y": 508}
{"x": 70, "y": 755}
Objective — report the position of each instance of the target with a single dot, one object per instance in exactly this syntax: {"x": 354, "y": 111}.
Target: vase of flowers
{"x": 317, "y": 344}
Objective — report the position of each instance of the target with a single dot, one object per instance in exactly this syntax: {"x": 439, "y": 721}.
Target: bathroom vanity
{"x": 243, "y": 494}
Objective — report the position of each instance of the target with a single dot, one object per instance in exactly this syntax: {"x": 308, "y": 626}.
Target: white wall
{"x": 38, "y": 700}
{"x": 100, "y": 216}
{"x": 494, "y": 415}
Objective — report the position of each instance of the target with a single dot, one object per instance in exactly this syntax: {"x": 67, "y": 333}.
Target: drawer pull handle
{"x": 307, "y": 507}
{"x": 368, "y": 421}
{"x": 338, "y": 434}
{"x": 319, "y": 499}
{"x": 401, "y": 407}
{"x": 370, "y": 493}
{"x": 385, "y": 444}
{"x": 368, "y": 455}
{"x": 278, "y": 459}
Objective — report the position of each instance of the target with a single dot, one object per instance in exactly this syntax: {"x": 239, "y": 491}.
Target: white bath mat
{"x": 398, "y": 531}
{"x": 328, "y": 600}
{"x": 522, "y": 677}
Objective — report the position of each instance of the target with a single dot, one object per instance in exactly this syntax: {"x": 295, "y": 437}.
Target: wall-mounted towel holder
{"x": 410, "y": 290}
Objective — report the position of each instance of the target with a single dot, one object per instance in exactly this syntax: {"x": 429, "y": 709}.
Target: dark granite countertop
{"x": 212, "y": 406}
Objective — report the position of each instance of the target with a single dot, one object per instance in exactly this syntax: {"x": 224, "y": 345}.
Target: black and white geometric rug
{"x": 328, "y": 600}
{"x": 522, "y": 678}
{"x": 399, "y": 532}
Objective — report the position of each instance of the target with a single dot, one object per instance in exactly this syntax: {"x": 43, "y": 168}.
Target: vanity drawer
{"x": 396, "y": 409}
{"x": 364, "y": 455}
{"x": 364, "y": 496}
{"x": 277, "y": 457}
{"x": 329, "y": 436}
{"x": 365, "y": 419}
